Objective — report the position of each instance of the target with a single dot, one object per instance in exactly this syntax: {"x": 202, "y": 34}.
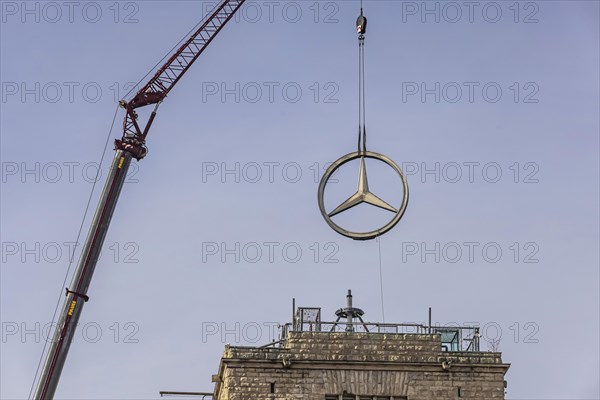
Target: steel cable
{"x": 87, "y": 207}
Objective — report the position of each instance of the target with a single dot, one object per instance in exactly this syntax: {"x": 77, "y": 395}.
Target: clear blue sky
{"x": 491, "y": 108}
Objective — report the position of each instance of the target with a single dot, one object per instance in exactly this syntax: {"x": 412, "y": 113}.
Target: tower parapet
{"x": 350, "y": 359}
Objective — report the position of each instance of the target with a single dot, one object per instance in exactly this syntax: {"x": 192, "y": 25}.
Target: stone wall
{"x": 313, "y": 365}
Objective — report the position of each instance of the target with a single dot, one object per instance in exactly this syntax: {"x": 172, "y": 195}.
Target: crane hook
{"x": 361, "y": 24}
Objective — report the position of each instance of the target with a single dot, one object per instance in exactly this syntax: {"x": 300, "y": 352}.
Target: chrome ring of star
{"x": 362, "y": 195}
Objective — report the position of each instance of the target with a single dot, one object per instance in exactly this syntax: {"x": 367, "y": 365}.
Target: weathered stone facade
{"x": 353, "y": 365}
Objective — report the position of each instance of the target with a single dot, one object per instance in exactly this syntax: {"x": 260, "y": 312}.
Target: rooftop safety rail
{"x": 453, "y": 338}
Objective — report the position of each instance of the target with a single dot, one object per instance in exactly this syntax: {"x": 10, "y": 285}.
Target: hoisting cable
{"x": 378, "y": 238}
{"x": 87, "y": 207}
{"x": 361, "y": 29}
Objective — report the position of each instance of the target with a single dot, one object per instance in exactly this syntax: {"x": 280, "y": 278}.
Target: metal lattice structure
{"x": 165, "y": 78}
{"x": 308, "y": 319}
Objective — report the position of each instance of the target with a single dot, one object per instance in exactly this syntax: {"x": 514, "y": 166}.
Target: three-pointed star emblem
{"x": 362, "y": 195}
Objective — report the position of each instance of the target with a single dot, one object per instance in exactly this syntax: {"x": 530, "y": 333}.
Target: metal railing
{"x": 200, "y": 395}
{"x": 453, "y": 338}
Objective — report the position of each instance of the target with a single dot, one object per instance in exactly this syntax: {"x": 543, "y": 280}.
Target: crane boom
{"x": 131, "y": 145}
{"x": 157, "y": 88}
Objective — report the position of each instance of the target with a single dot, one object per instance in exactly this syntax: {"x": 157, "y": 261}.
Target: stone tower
{"x": 350, "y": 359}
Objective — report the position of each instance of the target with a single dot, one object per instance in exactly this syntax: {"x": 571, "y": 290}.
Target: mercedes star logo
{"x": 362, "y": 195}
